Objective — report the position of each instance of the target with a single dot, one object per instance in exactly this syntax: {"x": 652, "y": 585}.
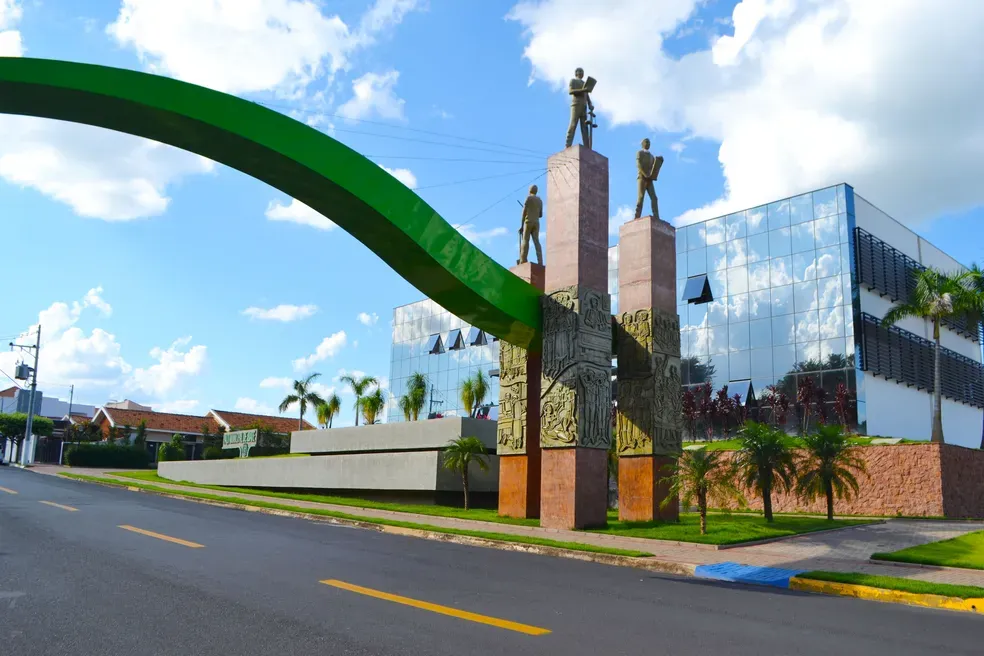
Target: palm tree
{"x": 829, "y": 466}
{"x": 360, "y": 385}
{"x": 468, "y": 396}
{"x": 461, "y": 453}
{"x": 413, "y": 401}
{"x": 328, "y": 409}
{"x": 473, "y": 393}
{"x": 302, "y": 396}
{"x": 765, "y": 461}
{"x": 700, "y": 475}
{"x": 937, "y": 296}
{"x": 373, "y": 404}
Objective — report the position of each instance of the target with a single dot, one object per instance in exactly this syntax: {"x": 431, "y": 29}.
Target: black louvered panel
{"x": 896, "y": 354}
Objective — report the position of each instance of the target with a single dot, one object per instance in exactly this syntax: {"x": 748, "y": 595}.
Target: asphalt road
{"x": 74, "y": 582}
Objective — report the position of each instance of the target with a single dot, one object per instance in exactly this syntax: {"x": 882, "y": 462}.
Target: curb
{"x": 890, "y": 596}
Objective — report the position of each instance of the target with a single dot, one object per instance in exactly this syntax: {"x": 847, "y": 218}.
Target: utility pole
{"x": 34, "y": 389}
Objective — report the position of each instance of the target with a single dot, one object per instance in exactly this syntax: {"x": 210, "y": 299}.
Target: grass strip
{"x": 478, "y": 514}
{"x": 501, "y": 537}
{"x": 900, "y": 584}
{"x": 962, "y": 551}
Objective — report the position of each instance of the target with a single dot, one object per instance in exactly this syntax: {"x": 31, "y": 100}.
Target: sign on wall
{"x": 241, "y": 440}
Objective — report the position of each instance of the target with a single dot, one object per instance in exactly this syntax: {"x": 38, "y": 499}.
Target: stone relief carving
{"x": 513, "y": 400}
{"x": 649, "y": 401}
{"x": 575, "y": 402}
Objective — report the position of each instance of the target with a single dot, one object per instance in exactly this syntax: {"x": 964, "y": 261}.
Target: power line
{"x": 434, "y": 143}
{"x": 470, "y": 220}
{"x": 16, "y": 384}
{"x": 450, "y": 159}
{"x": 488, "y": 177}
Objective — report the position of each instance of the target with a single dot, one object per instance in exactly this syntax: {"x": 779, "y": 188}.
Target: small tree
{"x": 468, "y": 396}
{"x": 140, "y": 439}
{"x": 804, "y": 398}
{"x": 14, "y": 425}
{"x": 690, "y": 412}
{"x": 359, "y": 385}
{"x": 700, "y": 475}
{"x": 765, "y": 461}
{"x": 460, "y": 454}
{"x": 173, "y": 450}
{"x": 778, "y": 404}
{"x": 373, "y": 405}
{"x": 723, "y": 410}
{"x": 416, "y": 395}
{"x": 842, "y": 405}
{"x": 327, "y": 410}
{"x": 739, "y": 411}
{"x": 829, "y": 466}
{"x": 707, "y": 410}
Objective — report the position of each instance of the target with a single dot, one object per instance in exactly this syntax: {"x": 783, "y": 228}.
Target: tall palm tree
{"x": 828, "y": 467}
{"x": 328, "y": 410}
{"x": 937, "y": 296}
{"x": 473, "y": 392}
{"x": 700, "y": 475}
{"x": 302, "y": 395}
{"x": 765, "y": 461}
{"x": 372, "y": 405}
{"x": 360, "y": 385}
{"x": 460, "y": 454}
{"x": 413, "y": 401}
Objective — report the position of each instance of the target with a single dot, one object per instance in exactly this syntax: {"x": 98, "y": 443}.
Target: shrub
{"x": 107, "y": 455}
{"x": 218, "y": 453}
{"x": 168, "y": 452}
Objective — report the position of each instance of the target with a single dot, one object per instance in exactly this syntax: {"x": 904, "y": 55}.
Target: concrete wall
{"x": 401, "y": 436}
{"x": 406, "y": 471}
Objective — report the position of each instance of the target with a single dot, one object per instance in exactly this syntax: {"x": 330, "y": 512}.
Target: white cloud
{"x": 328, "y": 348}
{"x": 368, "y": 319}
{"x": 801, "y": 95}
{"x": 479, "y": 237}
{"x": 405, "y": 176}
{"x": 181, "y": 407}
{"x": 373, "y": 95}
{"x": 298, "y": 212}
{"x": 276, "y": 383}
{"x": 10, "y": 39}
{"x": 252, "y": 406}
{"x": 173, "y": 366}
{"x": 281, "y": 312}
{"x": 623, "y": 214}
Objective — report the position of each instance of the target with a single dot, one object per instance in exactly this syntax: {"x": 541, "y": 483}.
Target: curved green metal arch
{"x": 355, "y": 193}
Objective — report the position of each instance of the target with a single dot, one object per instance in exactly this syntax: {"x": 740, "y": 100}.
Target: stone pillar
{"x": 518, "y": 433}
{"x": 647, "y": 424}
{"x": 575, "y": 398}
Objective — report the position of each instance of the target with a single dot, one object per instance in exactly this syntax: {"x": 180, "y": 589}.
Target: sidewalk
{"x": 845, "y": 550}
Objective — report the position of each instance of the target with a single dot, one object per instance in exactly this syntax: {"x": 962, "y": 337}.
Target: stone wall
{"x": 912, "y": 480}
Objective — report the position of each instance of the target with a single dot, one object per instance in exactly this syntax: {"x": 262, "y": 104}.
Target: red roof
{"x": 10, "y": 392}
{"x": 236, "y": 420}
{"x": 160, "y": 421}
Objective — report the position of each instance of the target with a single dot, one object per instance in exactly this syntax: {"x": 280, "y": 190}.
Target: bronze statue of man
{"x": 648, "y": 167}
{"x": 580, "y": 105}
{"x": 530, "y": 228}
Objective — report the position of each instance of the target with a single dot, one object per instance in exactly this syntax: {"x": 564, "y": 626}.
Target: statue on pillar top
{"x": 530, "y": 227}
{"x": 648, "y": 167}
{"x": 582, "y": 109}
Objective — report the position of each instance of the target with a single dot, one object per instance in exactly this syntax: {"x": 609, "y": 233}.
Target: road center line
{"x": 7, "y": 490}
{"x": 443, "y": 610}
{"x": 160, "y": 536}
{"x": 58, "y": 505}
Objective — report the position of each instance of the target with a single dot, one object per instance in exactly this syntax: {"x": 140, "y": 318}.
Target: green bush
{"x": 168, "y": 452}
{"x": 218, "y": 453}
{"x": 106, "y": 455}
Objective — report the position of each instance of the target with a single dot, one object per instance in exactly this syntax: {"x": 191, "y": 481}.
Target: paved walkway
{"x": 846, "y": 550}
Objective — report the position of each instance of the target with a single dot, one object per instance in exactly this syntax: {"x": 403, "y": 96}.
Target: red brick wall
{"x": 963, "y": 481}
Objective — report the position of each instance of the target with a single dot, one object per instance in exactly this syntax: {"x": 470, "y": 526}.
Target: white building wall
{"x": 896, "y": 410}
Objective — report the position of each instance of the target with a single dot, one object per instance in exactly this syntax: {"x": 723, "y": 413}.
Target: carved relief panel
{"x": 513, "y": 400}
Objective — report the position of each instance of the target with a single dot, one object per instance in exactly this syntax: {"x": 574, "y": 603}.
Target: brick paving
{"x": 845, "y": 550}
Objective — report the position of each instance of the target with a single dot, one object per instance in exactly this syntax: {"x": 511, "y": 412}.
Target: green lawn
{"x": 895, "y": 583}
{"x": 480, "y": 514}
{"x": 502, "y": 537}
{"x": 963, "y": 551}
{"x": 724, "y": 529}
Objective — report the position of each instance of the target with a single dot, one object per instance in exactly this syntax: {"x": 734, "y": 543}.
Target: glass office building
{"x": 772, "y": 296}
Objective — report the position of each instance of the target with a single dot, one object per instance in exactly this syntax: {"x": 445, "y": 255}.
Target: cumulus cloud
{"x": 10, "y": 39}
{"x": 272, "y": 382}
{"x": 298, "y": 212}
{"x": 181, "y": 406}
{"x": 174, "y": 365}
{"x": 373, "y": 94}
{"x": 368, "y": 319}
{"x": 405, "y": 176}
{"x": 328, "y": 348}
{"x": 479, "y": 237}
{"x": 799, "y": 94}
{"x": 254, "y": 407}
{"x": 283, "y": 313}
{"x": 623, "y": 214}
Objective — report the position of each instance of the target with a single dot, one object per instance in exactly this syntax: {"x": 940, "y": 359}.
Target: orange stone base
{"x": 640, "y": 490}
{"x": 519, "y": 486}
{"x": 574, "y": 488}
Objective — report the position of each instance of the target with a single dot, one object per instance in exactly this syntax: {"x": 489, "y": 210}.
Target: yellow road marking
{"x": 7, "y": 490}
{"x": 443, "y": 610}
{"x": 159, "y": 536}
{"x": 58, "y": 505}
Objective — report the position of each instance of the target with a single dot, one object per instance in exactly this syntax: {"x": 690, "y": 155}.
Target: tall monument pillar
{"x": 575, "y": 395}
{"x": 647, "y": 424}
{"x": 518, "y": 431}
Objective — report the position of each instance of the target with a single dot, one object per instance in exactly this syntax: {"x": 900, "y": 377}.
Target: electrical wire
{"x": 449, "y": 159}
{"x": 517, "y": 189}
{"x": 488, "y": 177}
{"x": 16, "y": 384}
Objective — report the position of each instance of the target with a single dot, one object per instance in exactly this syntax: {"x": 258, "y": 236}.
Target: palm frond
{"x": 288, "y": 401}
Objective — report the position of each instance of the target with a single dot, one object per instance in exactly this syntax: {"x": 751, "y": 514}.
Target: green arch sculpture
{"x": 355, "y": 193}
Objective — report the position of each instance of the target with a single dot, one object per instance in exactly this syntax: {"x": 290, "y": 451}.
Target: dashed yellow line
{"x": 8, "y": 490}
{"x": 161, "y": 536}
{"x": 58, "y": 505}
{"x": 443, "y": 610}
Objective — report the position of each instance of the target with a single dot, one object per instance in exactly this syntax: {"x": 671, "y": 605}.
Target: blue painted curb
{"x": 738, "y": 573}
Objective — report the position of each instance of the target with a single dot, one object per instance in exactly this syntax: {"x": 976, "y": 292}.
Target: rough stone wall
{"x": 963, "y": 481}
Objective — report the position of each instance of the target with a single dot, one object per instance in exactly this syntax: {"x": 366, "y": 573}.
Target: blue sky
{"x": 157, "y": 256}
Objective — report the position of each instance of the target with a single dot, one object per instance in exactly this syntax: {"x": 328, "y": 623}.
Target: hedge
{"x": 106, "y": 455}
